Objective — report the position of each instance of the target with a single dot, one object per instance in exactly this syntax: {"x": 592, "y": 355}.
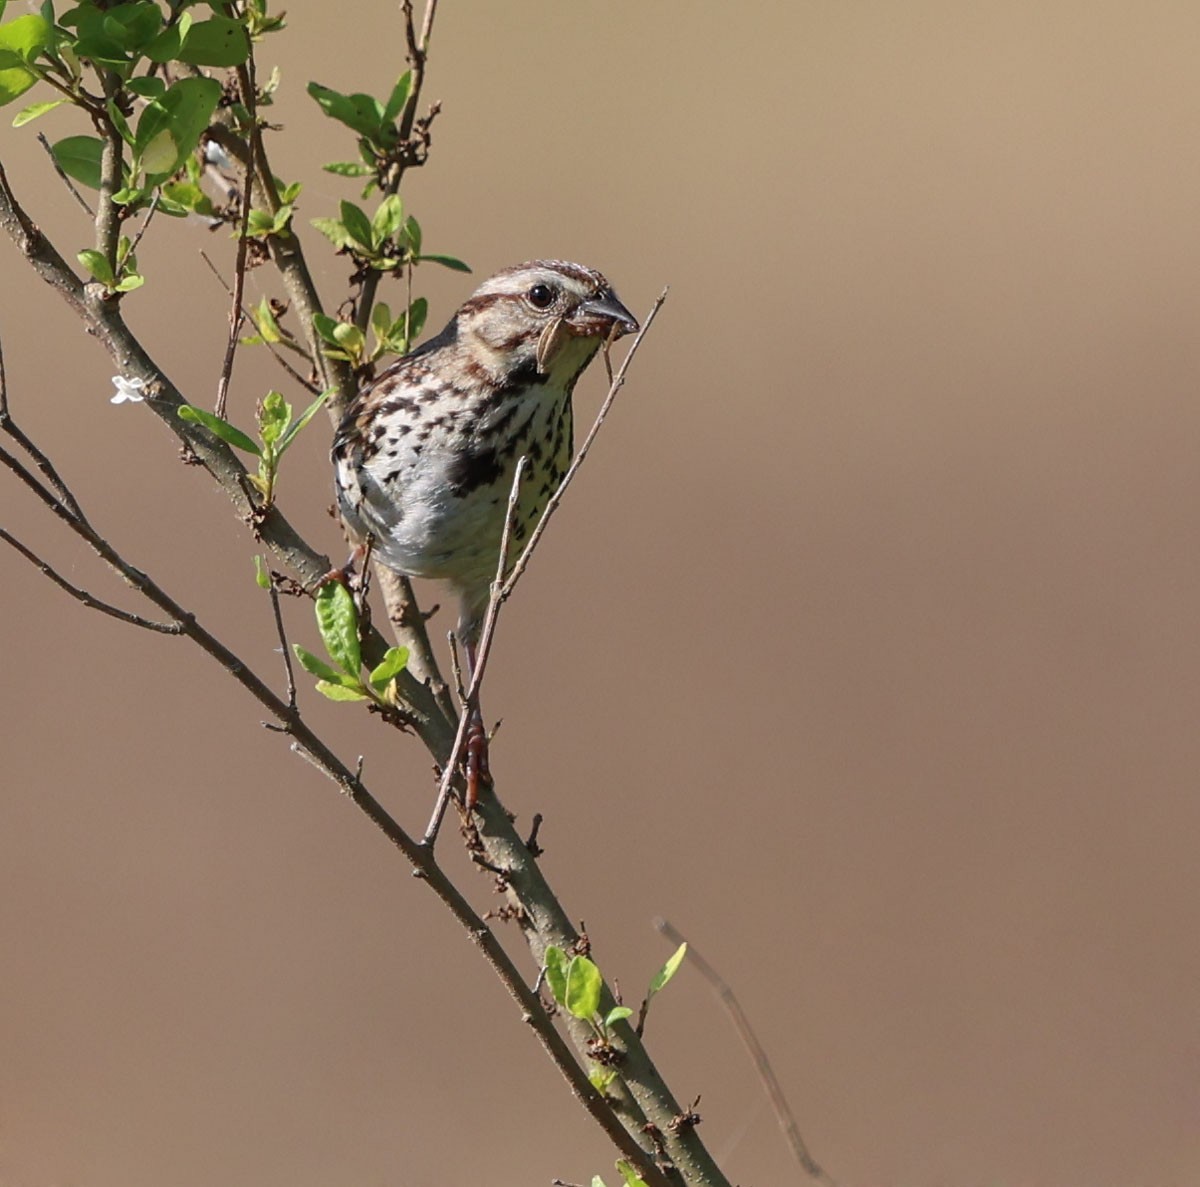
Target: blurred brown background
{"x": 866, "y": 649}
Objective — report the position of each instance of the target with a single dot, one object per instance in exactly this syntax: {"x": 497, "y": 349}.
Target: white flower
{"x": 128, "y": 389}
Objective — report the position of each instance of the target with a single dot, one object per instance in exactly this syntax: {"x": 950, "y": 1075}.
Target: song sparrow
{"x": 426, "y": 454}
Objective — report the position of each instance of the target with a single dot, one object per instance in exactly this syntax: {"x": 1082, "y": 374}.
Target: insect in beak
{"x": 548, "y": 342}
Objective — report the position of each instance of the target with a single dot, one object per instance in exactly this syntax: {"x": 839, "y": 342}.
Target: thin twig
{"x": 82, "y": 595}
{"x": 62, "y": 175}
{"x": 43, "y": 463}
{"x": 285, "y": 650}
{"x": 284, "y": 340}
{"x": 150, "y": 213}
{"x": 555, "y": 499}
{"x": 239, "y": 280}
{"x": 741, "y": 1024}
{"x": 471, "y": 703}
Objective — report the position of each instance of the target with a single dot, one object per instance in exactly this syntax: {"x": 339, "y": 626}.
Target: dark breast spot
{"x": 472, "y": 469}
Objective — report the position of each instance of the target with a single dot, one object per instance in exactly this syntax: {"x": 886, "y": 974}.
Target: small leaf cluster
{"x": 262, "y": 224}
{"x": 385, "y": 241}
{"x": 393, "y": 335}
{"x": 377, "y": 126}
{"x": 276, "y": 431}
{"x": 337, "y": 622}
{"x": 122, "y": 279}
{"x": 576, "y": 985}
{"x": 629, "y": 1176}
{"x": 126, "y": 46}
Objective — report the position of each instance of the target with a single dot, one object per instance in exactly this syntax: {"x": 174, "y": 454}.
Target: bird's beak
{"x": 603, "y": 314}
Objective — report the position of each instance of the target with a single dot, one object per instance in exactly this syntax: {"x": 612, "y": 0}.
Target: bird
{"x": 426, "y": 453}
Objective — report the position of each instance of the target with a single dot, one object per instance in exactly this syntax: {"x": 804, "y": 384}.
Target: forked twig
{"x": 741, "y": 1024}
{"x": 82, "y": 595}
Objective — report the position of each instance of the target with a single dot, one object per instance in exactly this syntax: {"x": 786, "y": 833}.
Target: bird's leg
{"x": 347, "y": 574}
{"x": 475, "y": 764}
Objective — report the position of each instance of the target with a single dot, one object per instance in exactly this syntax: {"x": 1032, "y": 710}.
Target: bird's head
{"x": 548, "y": 316}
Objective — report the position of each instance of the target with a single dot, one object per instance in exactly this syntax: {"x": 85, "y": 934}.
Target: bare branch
{"x": 81, "y": 595}
{"x": 741, "y": 1024}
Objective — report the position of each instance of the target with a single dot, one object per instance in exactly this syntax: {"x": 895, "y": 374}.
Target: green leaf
{"x": 218, "y": 41}
{"x": 132, "y": 26}
{"x": 273, "y": 417}
{"x": 582, "y": 993}
{"x": 265, "y": 323}
{"x": 337, "y": 620}
{"x": 14, "y": 82}
{"x": 171, "y": 125}
{"x": 189, "y": 196}
{"x": 261, "y": 576}
{"x": 348, "y": 169}
{"x": 391, "y": 666}
{"x": 417, "y": 312}
{"x": 617, "y": 1014}
{"x": 23, "y": 38}
{"x": 556, "y": 973}
{"x": 667, "y": 971}
{"x": 97, "y": 265}
{"x": 259, "y": 222}
{"x": 627, "y": 1172}
{"x": 356, "y": 222}
{"x": 335, "y": 231}
{"x": 325, "y": 326}
{"x": 28, "y": 114}
{"x": 129, "y": 282}
{"x": 146, "y": 86}
{"x": 360, "y": 113}
{"x": 387, "y": 219}
{"x": 597, "y": 1181}
{"x": 600, "y": 1078}
{"x": 119, "y": 121}
{"x": 219, "y": 428}
{"x": 317, "y": 667}
{"x": 398, "y": 98}
{"x": 290, "y": 435}
{"x": 79, "y": 158}
{"x": 381, "y": 320}
{"x": 349, "y": 337}
{"x": 412, "y": 233}
{"x": 445, "y": 261}
{"x": 340, "y": 692}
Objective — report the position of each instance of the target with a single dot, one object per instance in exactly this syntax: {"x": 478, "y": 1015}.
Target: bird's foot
{"x": 475, "y": 764}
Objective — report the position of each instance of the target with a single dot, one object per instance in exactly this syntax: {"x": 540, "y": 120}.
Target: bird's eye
{"x": 541, "y": 296}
